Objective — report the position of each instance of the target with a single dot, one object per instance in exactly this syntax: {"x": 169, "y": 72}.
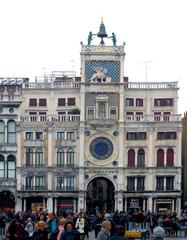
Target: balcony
{"x": 75, "y": 118}
{"x": 66, "y": 188}
{"x": 153, "y": 118}
{"x": 34, "y": 165}
{"x": 151, "y": 85}
{"x": 8, "y": 182}
{"x": 34, "y": 188}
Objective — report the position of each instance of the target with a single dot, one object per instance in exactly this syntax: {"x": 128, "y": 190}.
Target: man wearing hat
{"x": 158, "y": 233}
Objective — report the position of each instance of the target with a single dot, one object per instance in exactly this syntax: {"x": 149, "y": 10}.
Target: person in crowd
{"x": 80, "y": 225}
{"x": 158, "y": 233}
{"x": 62, "y": 222}
{"x": 104, "y": 234}
{"x": 119, "y": 233}
{"x": 16, "y": 231}
{"x": 53, "y": 224}
{"x": 97, "y": 223}
{"x": 40, "y": 232}
{"x": 2, "y": 224}
{"x": 42, "y": 217}
{"x": 29, "y": 228}
{"x": 70, "y": 232}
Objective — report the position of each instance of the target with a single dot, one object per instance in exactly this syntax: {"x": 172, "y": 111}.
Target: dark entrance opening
{"x": 7, "y": 201}
{"x": 100, "y": 195}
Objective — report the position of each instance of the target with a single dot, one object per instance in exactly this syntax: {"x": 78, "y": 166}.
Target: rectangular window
{"x": 61, "y": 135}
{"x": 169, "y": 183}
{"x": 11, "y": 169}
{"x": 70, "y": 183}
{"x": 71, "y": 101}
{"x": 42, "y": 102}
{"x": 160, "y": 183}
{"x": 39, "y": 183}
{"x": 61, "y": 102}
{"x": 60, "y": 183}
{"x": 139, "y": 102}
{"x": 29, "y": 135}
{"x": 113, "y": 112}
{"x": 157, "y": 116}
{"x": 166, "y": 135}
{"x": 166, "y": 116}
{"x": 136, "y": 135}
{"x": 90, "y": 112}
{"x": 140, "y": 183}
{"x": 163, "y": 102}
{"x": 39, "y": 136}
{"x": 70, "y": 135}
{"x": 131, "y": 135}
{"x": 130, "y": 184}
{"x": 32, "y": 102}
{"x": 141, "y": 135}
{"x": 129, "y": 102}
{"x": 29, "y": 183}
{"x": 2, "y": 169}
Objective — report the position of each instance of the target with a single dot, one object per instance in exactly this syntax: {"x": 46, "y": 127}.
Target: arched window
{"x": 2, "y": 166}
{"x": 141, "y": 158}
{"x": 160, "y": 158}
{"x": 60, "y": 157}
{"x": 11, "y": 132}
{"x": 29, "y": 157}
{"x": 70, "y": 157}
{"x": 11, "y": 166}
{"x": 39, "y": 156}
{"x": 2, "y": 132}
{"x": 131, "y": 158}
{"x": 170, "y": 157}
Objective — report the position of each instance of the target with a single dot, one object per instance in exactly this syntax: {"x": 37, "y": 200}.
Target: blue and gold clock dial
{"x": 101, "y": 148}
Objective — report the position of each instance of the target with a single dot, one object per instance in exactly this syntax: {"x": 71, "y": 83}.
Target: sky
{"x": 41, "y": 36}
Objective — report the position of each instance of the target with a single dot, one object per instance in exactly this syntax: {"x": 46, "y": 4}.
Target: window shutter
{"x": 61, "y": 102}
{"x": 32, "y": 102}
{"x": 71, "y": 101}
{"x": 42, "y": 102}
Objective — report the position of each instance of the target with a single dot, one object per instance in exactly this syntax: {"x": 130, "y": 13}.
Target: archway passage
{"x": 7, "y": 201}
{"x": 100, "y": 195}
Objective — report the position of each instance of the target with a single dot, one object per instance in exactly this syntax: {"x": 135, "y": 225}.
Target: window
{"x": 39, "y": 135}
{"x": 61, "y": 102}
{"x": 60, "y": 157}
{"x": 70, "y": 157}
{"x": 71, "y": 101}
{"x": 90, "y": 112}
{"x": 160, "y": 158}
{"x": 130, "y": 183}
{"x": 170, "y": 157}
{"x": 29, "y": 157}
{"x": 113, "y": 112}
{"x": 166, "y": 135}
{"x": 141, "y": 158}
{"x": 70, "y": 183}
{"x": 160, "y": 183}
{"x": 61, "y": 135}
{"x": 70, "y": 135}
{"x": 166, "y": 116}
{"x": 42, "y": 102}
{"x": 32, "y": 102}
{"x": 2, "y": 166}
{"x": 141, "y": 135}
{"x": 140, "y": 183}
{"x": 10, "y": 97}
{"x": 157, "y": 116}
{"x": 39, "y": 182}
{"x": 139, "y": 102}
{"x": 136, "y": 135}
{"x": 29, "y": 135}
{"x": 131, "y": 158}
{"x": 163, "y": 102}
{"x": 60, "y": 183}
{"x": 29, "y": 183}
{"x": 169, "y": 183}
{"x": 39, "y": 157}
{"x": 11, "y": 166}
{"x": 129, "y": 102}
{"x": 2, "y": 132}
{"x": 131, "y": 135}
{"x": 11, "y": 132}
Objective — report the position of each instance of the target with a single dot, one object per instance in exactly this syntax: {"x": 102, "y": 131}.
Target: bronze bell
{"x": 102, "y": 32}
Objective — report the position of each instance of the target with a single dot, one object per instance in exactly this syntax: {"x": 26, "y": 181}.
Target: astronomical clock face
{"x": 108, "y": 70}
{"x": 101, "y": 148}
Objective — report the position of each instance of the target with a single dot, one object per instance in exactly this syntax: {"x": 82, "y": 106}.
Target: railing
{"x": 151, "y": 85}
{"x": 66, "y": 188}
{"x": 51, "y": 118}
{"x": 6, "y": 182}
{"x": 34, "y": 188}
{"x": 153, "y": 118}
{"x": 35, "y": 165}
{"x": 64, "y": 85}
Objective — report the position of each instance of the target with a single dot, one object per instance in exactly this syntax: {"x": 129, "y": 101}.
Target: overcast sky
{"x": 40, "y": 36}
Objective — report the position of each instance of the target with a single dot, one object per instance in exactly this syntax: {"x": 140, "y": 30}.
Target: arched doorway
{"x": 100, "y": 195}
{"x": 7, "y": 201}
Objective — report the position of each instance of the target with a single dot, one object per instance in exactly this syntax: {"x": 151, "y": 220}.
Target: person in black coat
{"x": 41, "y": 232}
{"x": 69, "y": 232}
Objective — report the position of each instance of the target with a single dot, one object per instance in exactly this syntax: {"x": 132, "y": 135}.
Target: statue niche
{"x": 100, "y": 76}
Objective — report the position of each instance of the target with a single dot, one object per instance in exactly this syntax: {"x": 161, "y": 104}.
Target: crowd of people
{"x": 70, "y": 226}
